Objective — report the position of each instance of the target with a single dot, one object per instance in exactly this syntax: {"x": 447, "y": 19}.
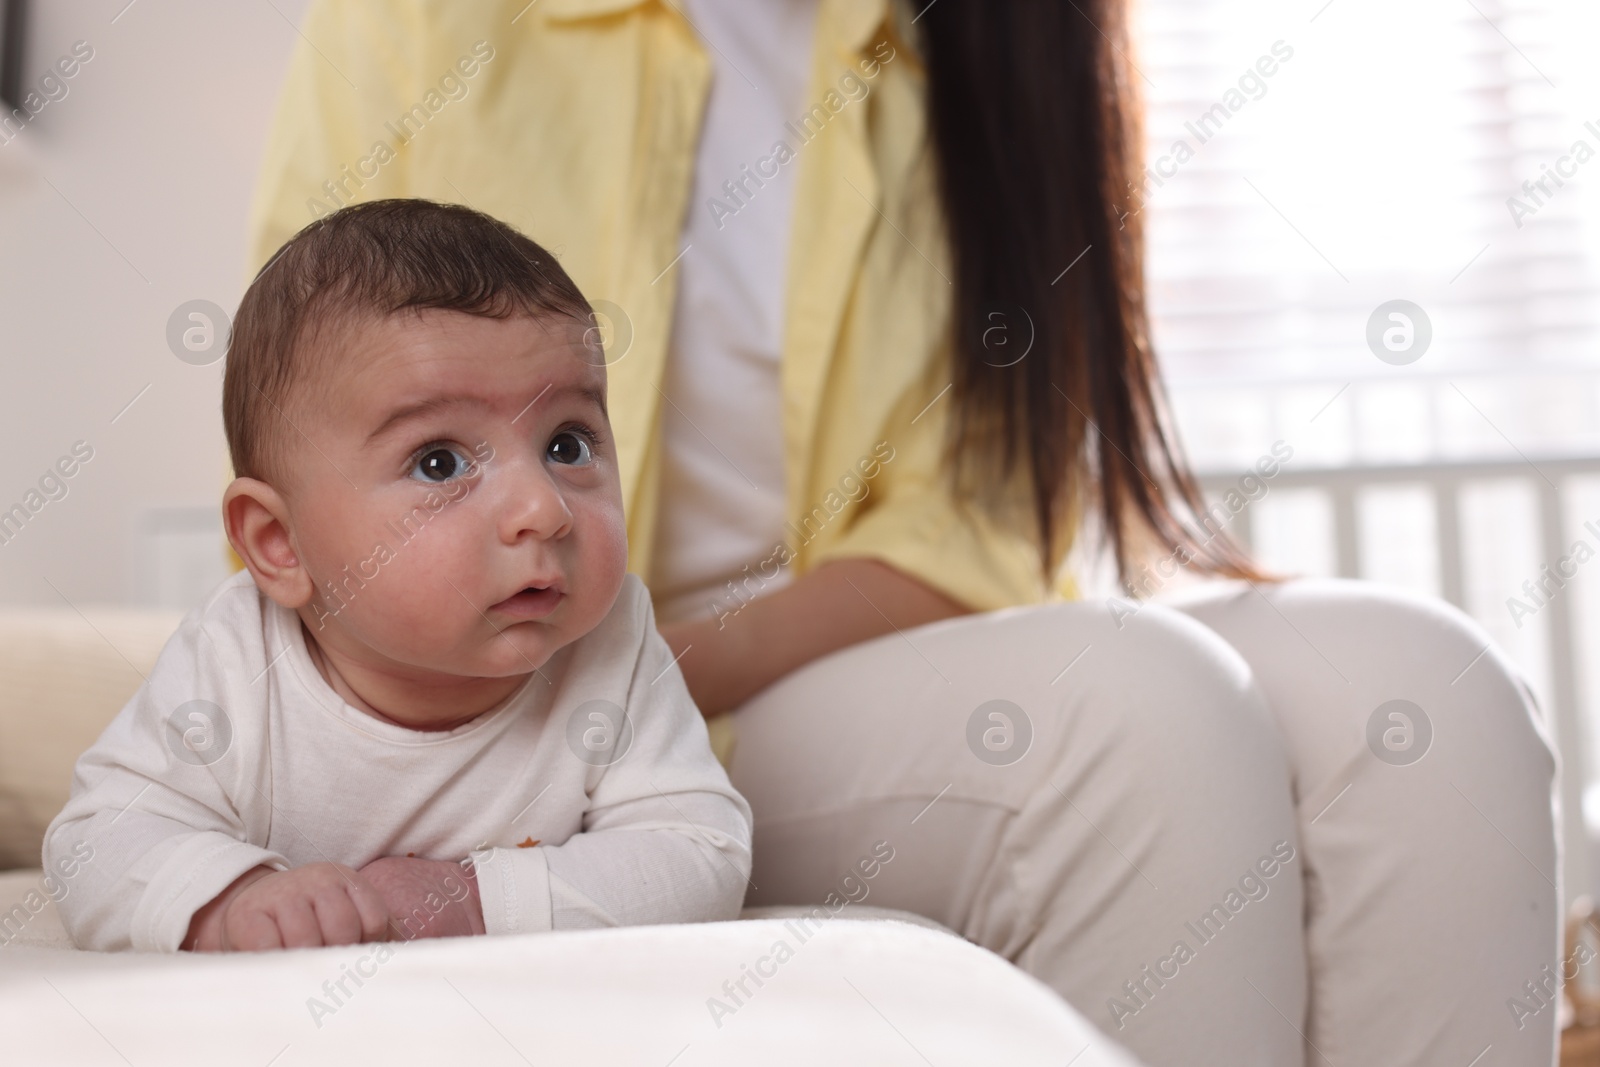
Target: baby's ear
{"x": 257, "y": 523}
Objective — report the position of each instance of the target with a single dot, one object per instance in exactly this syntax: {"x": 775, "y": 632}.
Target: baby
{"x": 435, "y": 703}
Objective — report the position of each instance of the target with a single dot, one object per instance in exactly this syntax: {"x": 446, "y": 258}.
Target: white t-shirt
{"x": 177, "y": 799}
{"x": 722, "y": 503}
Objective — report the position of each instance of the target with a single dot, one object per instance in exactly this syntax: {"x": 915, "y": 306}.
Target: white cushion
{"x": 855, "y": 990}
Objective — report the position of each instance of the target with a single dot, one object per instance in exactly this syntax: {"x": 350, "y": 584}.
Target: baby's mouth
{"x": 534, "y": 602}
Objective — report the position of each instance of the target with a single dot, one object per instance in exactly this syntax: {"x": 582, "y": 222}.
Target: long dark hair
{"x": 1035, "y": 122}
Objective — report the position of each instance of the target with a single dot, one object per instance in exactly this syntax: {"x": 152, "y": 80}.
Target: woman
{"x": 871, "y": 284}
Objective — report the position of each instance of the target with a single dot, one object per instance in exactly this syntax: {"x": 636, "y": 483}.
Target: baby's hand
{"x": 428, "y": 898}
{"x": 318, "y": 904}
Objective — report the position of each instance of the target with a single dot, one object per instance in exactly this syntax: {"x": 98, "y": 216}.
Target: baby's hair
{"x": 369, "y": 261}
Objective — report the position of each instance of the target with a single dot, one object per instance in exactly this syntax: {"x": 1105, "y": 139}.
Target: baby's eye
{"x": 570, "y": 447}
{"x": 441, "y": 464}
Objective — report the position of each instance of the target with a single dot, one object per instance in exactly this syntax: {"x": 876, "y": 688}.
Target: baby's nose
{"x": 534, "y": 504}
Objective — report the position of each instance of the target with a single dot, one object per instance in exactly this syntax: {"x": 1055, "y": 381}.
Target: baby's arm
{"x": 666, "y": 837}
{"x": 680, "y": 857}
{"x": 171, "y": 804}
{"x": 152, "y": 852}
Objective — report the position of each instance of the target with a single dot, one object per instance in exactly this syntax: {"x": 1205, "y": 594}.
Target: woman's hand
{"x": 843, "y": 602}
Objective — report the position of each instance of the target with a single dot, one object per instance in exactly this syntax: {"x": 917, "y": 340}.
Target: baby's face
{"x": 455, "y": 463}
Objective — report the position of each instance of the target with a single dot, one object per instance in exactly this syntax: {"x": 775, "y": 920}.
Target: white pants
{"x": 1221, "y": 842}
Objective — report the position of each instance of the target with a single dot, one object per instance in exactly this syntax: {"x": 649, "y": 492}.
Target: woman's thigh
{"x": 1424, "y": 782}
{"x": 1101, "y": 797}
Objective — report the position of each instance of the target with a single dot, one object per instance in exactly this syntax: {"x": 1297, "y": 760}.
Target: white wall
{"x": 119, "y": 202}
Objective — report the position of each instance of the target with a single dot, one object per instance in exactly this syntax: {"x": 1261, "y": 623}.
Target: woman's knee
{"x": 1147, "y": 688}
{"x": 1146, "y": 727}
{"x": 1163, "y": 674}
{"x": 1402, "y": 663}
{"x": 1355, "y": 621}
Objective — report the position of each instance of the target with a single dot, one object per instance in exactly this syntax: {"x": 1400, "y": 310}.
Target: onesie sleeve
{"x": 155, "y": 826}
{"x": 666, "y": 837}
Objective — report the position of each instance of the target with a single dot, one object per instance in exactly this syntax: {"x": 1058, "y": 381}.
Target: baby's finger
{"x": 371, "y": 907}
{"x": 337, "y": 917}
{"x": 249, "y": 929}
{"x": 297, "y": 923}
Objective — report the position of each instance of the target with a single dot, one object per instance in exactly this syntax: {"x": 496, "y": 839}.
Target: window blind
{"x": 1309, "y": 162}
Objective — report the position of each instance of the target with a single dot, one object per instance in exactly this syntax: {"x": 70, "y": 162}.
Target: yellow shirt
{"x": 577, "y": 121}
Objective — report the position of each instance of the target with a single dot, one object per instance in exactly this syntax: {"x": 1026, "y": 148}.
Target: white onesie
{"x": 235, "y": 752}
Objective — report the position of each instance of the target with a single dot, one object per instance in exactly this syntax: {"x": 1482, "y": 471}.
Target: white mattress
{"x": 868, "y": 987}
